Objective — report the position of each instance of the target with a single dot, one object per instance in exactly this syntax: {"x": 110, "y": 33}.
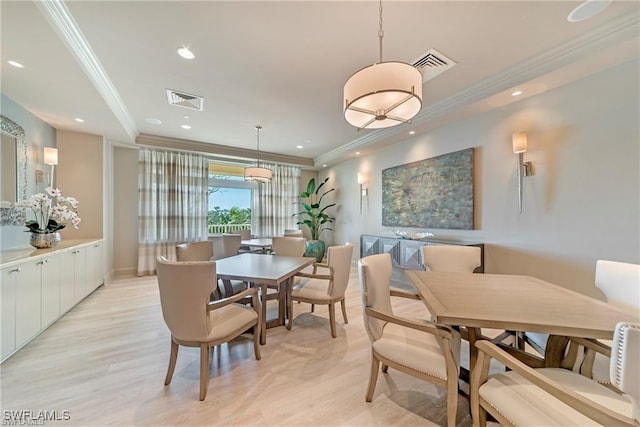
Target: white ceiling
{"x": 283, "y": 64}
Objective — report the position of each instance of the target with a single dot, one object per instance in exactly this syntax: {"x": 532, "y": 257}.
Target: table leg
{"x": 282, "y": 293}
{"x": 263, "y": 303}
{"x": 474, "y": 334}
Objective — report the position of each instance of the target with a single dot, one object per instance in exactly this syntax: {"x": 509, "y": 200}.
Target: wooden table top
{"x": 258, "y": 243}
{"x": 259, "y": 268}
{"x": 520, "y": 303}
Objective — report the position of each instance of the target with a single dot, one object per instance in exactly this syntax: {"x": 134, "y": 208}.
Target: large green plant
{"x": 313, "y": 215}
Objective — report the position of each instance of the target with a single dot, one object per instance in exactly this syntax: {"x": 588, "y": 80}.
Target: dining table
{"x": 516, "y": 303}
{"x": 263, "y": 244}
{"x": 264, "y": 271}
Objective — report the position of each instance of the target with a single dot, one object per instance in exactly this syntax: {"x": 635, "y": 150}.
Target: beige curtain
{"x": 274, "y": 203}
{"x": 172, "y": 204}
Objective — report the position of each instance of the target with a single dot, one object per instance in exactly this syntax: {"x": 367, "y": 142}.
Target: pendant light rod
{"x": 380, "y": 31}
{"x": 258, "y": 128}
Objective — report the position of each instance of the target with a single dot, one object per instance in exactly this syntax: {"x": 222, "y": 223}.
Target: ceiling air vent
{"x": 432, "y": 63}
{"x": 185, "y": 100}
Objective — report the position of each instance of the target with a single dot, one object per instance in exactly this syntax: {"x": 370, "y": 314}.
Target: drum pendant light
{"x": 257, "y": 173}
{"x": 384, "y": 94}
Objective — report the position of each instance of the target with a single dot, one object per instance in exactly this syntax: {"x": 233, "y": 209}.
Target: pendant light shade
{"x": 384, "y": 94}
{"x": 257, "y": 173}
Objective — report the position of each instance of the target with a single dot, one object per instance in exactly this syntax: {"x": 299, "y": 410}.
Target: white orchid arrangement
{"x": 51, "y": 210}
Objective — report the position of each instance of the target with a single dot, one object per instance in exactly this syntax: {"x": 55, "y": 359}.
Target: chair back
{"x": 625, "y": 362}
{"x": 245, "y": 234}
{"x": 374, "y": 274}
{"x": 288, "y": 246}
{"x": 293, "y": 233}
{"x": 230, "y": 244}
{"x": 620, "y": 282}
{"x": 184, "y": 293}
{"x": 339, "y": 258}
{"x": 196, "y": 251}
{"x": 451, "y": 258}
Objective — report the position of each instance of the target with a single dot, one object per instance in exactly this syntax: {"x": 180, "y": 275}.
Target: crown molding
{"x": 60, "y": 19}
{"x": 221, "y": 151}
{"x": 616, "y": 30}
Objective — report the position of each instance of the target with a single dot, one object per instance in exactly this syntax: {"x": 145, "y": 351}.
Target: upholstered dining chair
{"x": 620, "y": 283}
{"x": 203, "y": 251}
{"x": 195, "y": 251}
{"x": 420, "y": 348}
{"x": 451, "y": 258}
{"x": 327, "y": 289}
{"x": 525, "y": 396}
{"x": 230, "y": 244}
{"x": 194, "y": 321}
{"x": 288, "y": 246}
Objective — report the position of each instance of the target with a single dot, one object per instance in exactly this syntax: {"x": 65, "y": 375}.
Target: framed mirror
{"x": 13, "y": 179}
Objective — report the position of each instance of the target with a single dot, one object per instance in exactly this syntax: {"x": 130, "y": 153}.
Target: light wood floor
{"x": 105, "y": 363}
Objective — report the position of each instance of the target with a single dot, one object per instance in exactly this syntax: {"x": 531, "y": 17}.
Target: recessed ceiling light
{"x": 185, "y": 127}
{"x": 79, "y": 120}
{"x": 413, "y": 132}
{"x": 324, "y": 166}
{"x": 587, "y": 10}
{"x": 185, "y": 53}
{"x": 299, "y": 146}
{"x": 16, "y": 64}
{"x": 185, "y": 117}
{"x": 153, "y": 121}
{"x": 516, "y": 93}
{"x": 357, "y": 153}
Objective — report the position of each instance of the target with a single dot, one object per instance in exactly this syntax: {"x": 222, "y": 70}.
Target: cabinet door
{"x": 28, "y": 302}
{"x": 67, "y": 281}
{"x": 94, "y": 266}
{"x": 50, "y": 289}
{"x": 368, "y": 245}
{"x": 80, "y": 272}
{"x": 8, "y": 281}
{"x": 411, "y": 254}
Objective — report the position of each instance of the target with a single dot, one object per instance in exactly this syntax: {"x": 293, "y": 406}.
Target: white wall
{"x": 582, "y": 204}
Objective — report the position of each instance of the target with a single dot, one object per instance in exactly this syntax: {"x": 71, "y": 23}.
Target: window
{"x": 229, "y": 199}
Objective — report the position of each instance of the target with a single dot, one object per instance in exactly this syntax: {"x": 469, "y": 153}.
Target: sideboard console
{"x": 406, "y": 253}
{"x": 37, "y": 287}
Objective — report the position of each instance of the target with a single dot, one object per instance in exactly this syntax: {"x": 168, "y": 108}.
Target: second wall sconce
{"x": 51, "y": 158}
{"x": 362, "y": 181}
{"x": 519, "y": 141}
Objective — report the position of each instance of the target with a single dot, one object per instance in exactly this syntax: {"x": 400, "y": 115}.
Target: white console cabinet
{"x": 37, "y": 287}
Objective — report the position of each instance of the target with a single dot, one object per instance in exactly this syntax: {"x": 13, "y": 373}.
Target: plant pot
{"x": 44, "y": 240}
{"x": 316, "y": 249}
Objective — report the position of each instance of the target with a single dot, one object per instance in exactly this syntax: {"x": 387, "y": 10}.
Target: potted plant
{"x": 315, "y": 217}
{"x": 50, "y": 209}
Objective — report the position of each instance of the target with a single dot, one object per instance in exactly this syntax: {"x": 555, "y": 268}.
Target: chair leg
{"x": 313, "y": 307}
{"x": 172, "y": 362}
{"x": 332, "y": 319}
{"x": 204, "y": 370}
{"x": 373, "y": 377}
{"x": 344, "y": 311}
{"x": 256, "y": 341}
{"x": 289, "y": 309}
{"x": 385, "y": 368}
{"x": 452, "y": 401}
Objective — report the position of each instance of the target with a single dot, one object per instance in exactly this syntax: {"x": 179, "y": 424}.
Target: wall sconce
{"x": 51, "y": 158}
{"x": 519, "y": 141}
{"x": 363, "y": 187}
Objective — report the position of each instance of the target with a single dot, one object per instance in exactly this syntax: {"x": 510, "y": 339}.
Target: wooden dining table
{"x": 264, "y": 271}
{"x": 263, "y": 243}
{"x": 516, "y": 303}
